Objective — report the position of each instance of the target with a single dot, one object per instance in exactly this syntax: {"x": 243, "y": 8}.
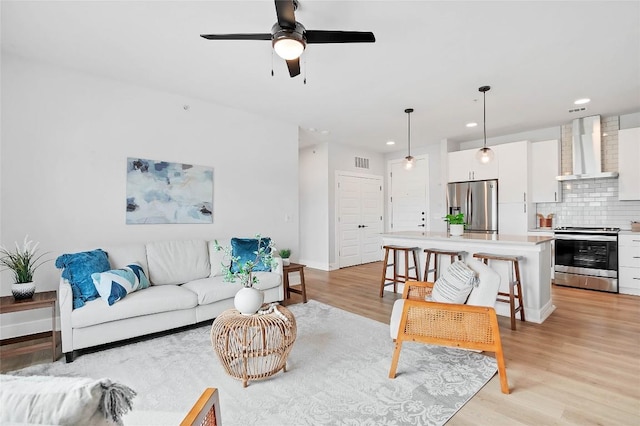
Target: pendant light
{"x": 408, "y": 160}
{"x": 484, "y": 154}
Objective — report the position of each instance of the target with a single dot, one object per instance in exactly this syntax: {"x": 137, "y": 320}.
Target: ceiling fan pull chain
{"x": 305, "y": 69}
{"x": 271, "y": 62}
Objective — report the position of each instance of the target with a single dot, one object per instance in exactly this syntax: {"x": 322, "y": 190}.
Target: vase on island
{"x": 456, "y": 230}
{"x": 248, "y": 300}
{"x": 22, "y": 291}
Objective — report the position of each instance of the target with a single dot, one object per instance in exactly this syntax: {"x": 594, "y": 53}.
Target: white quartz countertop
{"x": 470, "y": 237}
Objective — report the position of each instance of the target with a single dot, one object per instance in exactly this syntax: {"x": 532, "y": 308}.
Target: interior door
{"x": 359, "y": 220}
{"x": 408, "y": 190}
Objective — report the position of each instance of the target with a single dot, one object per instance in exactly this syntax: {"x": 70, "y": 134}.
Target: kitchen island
{"x": 535, "y": 266}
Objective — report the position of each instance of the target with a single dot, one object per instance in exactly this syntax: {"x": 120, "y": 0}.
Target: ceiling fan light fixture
{"x": 288, "y": 48}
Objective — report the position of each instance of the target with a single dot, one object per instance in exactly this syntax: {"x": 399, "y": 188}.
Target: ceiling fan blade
{"x": 322, "y": 36}
{"x": 285, "y": 10}
{"x": 294, "y": 67}
{"x": 257, "y": 36}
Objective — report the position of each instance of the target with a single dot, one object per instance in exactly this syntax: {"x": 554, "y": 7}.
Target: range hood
{"x": 586, "y": 142}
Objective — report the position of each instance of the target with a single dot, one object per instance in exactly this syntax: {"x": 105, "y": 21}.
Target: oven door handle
{"x": 583, "y": 237}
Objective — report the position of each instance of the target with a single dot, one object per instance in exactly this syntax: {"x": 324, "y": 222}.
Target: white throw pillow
{"x": 455, "y": 284}
{"x": 489, "y": 283}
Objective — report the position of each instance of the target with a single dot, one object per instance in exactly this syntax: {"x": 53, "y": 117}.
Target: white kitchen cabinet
{"x": 629, "y": 263}
{"x": 513, "y": 172}
{"x": 463, "y": 166}
{"x": 513, "y": 218}
{"x": 628, "y": 161}
{"x": 545, "y": 166}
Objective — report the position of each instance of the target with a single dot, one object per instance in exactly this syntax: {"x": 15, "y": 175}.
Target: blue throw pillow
{"x": 115, "y": 284}
{"x": 78, "y": 268}
{"x": 246, "y": 250}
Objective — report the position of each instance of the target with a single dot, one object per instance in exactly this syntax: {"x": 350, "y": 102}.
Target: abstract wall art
{"x": 165, "y": 192}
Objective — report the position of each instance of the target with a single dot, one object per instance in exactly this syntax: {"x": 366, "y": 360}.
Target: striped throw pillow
{"x": 115, "y": 284}
{"x": 455, "y": 284}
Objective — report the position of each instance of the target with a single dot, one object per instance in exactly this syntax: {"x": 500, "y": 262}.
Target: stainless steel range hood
{"x": 586, "y": 143}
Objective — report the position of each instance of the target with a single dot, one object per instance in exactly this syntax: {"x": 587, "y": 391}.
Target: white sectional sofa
{"x": 187, "y": 287}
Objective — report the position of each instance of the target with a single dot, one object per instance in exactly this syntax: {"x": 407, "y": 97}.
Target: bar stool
{"x": 436, "y": 252}
{"x": 513, "y": 284}
{"x": 397, "y": 278}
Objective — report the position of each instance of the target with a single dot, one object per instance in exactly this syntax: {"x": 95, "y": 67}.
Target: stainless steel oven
{"x": 587, "y": 258}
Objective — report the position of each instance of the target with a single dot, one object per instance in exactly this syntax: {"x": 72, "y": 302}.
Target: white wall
{"x": 314, "y": 206}
{"x": 65, "y": 139}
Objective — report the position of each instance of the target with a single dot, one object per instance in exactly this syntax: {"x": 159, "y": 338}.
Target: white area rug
{"x": 337, "y": 374}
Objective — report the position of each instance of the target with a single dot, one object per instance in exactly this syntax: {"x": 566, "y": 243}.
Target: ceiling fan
{"x": 289, "y": 37}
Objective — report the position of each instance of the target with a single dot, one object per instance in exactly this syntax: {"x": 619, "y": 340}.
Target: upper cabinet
{"x": 545, "y": 166}
{"x": 463, "y": 166}
{"x": 513, "y": 172}
{"x": 628, "y": 164}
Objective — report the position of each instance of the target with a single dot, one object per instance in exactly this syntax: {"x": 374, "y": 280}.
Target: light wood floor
{"x": 580, "y": 367}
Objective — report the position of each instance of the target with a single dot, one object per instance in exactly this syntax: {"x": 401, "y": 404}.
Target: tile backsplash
{"x": 591, "y": 202}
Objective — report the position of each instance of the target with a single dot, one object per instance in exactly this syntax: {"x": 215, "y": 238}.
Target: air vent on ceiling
{"x": 578, "y": 109}
{"x": 362, "y": 163}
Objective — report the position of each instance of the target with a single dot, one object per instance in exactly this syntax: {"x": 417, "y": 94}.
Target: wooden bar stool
{"x": 397, "y": 277}
{"x": 436, "y": 252}
{"x": 514, "y": 284}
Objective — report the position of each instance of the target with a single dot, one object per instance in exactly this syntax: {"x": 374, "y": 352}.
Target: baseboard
{"x": 8, "y": 331}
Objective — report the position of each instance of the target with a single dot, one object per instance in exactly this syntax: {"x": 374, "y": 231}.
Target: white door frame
{"x": 388, "y": 209}
{"x": 336, "y": 202}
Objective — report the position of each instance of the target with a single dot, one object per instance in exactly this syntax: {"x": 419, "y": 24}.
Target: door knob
{"x": 421, "y": 225}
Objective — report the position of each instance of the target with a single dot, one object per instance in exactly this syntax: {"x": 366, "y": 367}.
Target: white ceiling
{"x": 537, "y": 56}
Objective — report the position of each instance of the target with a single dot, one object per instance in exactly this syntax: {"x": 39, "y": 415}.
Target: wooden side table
{"x": 46, "y": 299}
{"x": 254, "y": 347}
{"x": 294, "y": 267}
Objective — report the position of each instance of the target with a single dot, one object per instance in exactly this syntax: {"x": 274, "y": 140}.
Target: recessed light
{"x": 471, "y": 124}
{"x": 391, "y": 143}
{"x": 324, "y": 132}
{"x": 582, "y": 101}
{"x": 313, "y": 129}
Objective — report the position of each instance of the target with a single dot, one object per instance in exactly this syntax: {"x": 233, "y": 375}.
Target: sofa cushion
{"x": 152, "y": 300}
{"x": 267, "y": 280}
{"x": 486, "y": 292}
{"x": 455, "y": 284}
{"x": 115, "y": 284}
{"x": 78, "y": 268}
{"x": 177, "y": 262}
{"x": 123, "y": 255}
{"x": 212, "y": 289}
{"x": 245, "y": 250}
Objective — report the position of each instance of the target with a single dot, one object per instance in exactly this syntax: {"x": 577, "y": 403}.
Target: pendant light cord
{"x": 484, "y": 116}
{"x": 409, "y": 133}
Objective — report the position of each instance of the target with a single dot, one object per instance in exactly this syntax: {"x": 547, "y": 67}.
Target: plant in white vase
{"x": 249, "y": 299}
{"x": 22, "y": 262}
{"x": 456, "y": 223}
{"x": 285, "y": 254}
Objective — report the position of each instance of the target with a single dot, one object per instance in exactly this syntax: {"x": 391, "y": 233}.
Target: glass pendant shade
{"x": 484, "y": 155}
{"x": 408, "y": 162}
{"x": 288, "y": 48}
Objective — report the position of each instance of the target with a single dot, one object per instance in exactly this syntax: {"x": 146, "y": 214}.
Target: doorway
{"x": 408, "y": 195}
{"x": 359, "y": 219}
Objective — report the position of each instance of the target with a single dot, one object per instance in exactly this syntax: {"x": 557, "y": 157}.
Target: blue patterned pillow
{"x": 115, "y": 284}
{"x": 246, "y": 250}
{"x": 78, "y": 268}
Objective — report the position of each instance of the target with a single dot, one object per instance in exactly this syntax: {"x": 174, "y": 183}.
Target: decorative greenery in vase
{"x": 285, "y": 254}
{"x": 455, "y": 219}
{"x": 23, "y": 262}
{"x": 245, "y": 270}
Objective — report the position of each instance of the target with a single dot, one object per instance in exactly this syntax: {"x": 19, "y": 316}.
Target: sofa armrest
{"x": 65, "y": 300}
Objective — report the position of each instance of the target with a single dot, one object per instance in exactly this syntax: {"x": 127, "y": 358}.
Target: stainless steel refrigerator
{"x": 478, "y": 201}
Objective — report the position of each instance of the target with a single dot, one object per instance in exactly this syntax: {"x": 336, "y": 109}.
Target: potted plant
{"x": 456, "y": 223}
{"x": 285, "y": 254}
{"x": 249, "y": 299}
{"x": 23, "y": 262}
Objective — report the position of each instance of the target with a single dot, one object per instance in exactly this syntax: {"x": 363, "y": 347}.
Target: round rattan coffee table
{"x": 254, "y": 347}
